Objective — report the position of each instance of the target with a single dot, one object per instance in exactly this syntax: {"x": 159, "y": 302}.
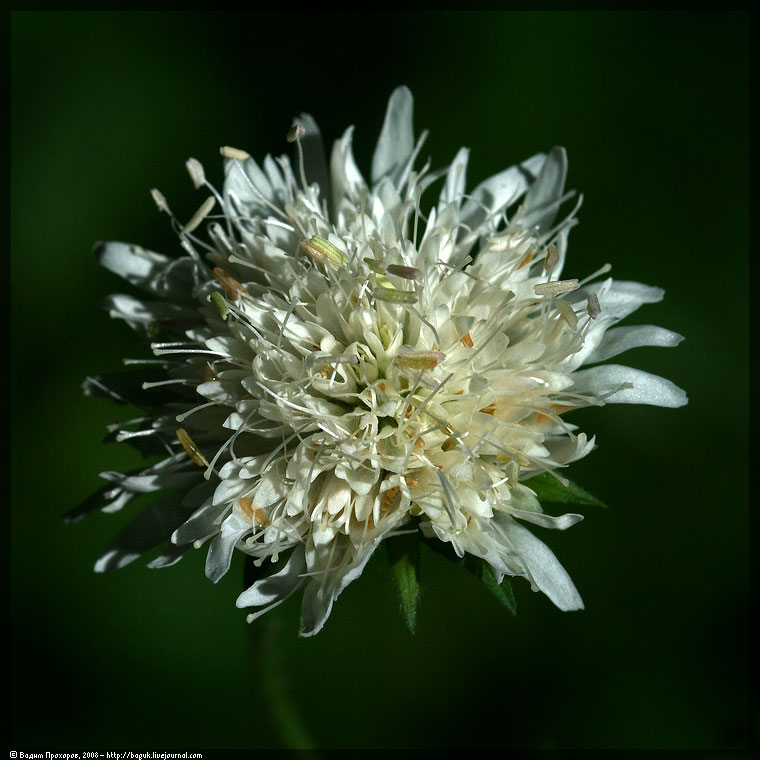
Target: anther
{"x": 555, "y": 287}
{"x": 200, "y": 214}
{"x": 296, "y": 131}
{"x": 594, "y": 309}
{"x": 552, "y": 257}
{"x": 338, "y": 359}
{"x": 567, "y": 313}
{"x": 238, "y": 155}
{"x": 231, "y": 286}
{"x": 159, "y": 200}
{"x": 376, "y": 266}
{"x": 420, "y": 359}
{"x": 195, "y": 170}
{"x": 407, "y": 273}
{"x": 394, "y": 296}
{"x": 324, "y": 252}
{"x": 526, "y": 259}
{"x": 220, "y": 304}
{"x": 254, "y": 514}
{"x": 190, "y": 448}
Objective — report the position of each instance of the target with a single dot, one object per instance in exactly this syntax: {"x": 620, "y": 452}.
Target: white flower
{"x": 338, "y": 361}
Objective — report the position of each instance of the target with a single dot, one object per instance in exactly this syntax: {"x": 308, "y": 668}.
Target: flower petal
{"x": 541, "y": 202}
{"x": 456, "y": 179}
{"x": 543, "y": 567}
{"x": 560, "y": 522}
{"x": 152, "y": 272}
{"x": 275, "y": 589}
{"x": 500, "y": 191}
{"x": 170, "y": 555}
{"x": 151, "y": 527}
{"x": 346, "y": 179}
{"x": 396, "y": 141}
{"x": 220, "y": 549}
{"x": 620, "y": 339}
{"x": 314, "y": 161}
{"x": 647, "y": 388}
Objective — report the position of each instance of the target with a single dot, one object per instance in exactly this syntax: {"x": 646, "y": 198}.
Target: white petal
{"x": 544, "y": 568}
{"x": 620, "y": 339}
{"x": 560, "y": 522}
{"x": 647, "y": 388}
{"x": 455, "y": 179}
{"x": 275, "y": 589}
{"x": 619, "y": 298}
{"x": 149, "y": 481}
{"x": 321, "y": 593}
{"x": 141, "y": 314}
{"x": 247, "y": 182}
{"x": 500, "y": 191}
{"x": 170, "y": 555}
{"x": 136, "y": 265}
{"x": 151, "y": 527}
{"x": 541, "y": 201}
{"x": 201, "y": 524}
{"x": 107, "y": 498}
{"x": 396, "y": 141}
{"x": 220, "y": 550}
{"x": 347, "y": 180}
{"x": 315, "y": 164}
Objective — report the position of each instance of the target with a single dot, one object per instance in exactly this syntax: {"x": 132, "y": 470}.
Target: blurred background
{"x": 653, "y": 110}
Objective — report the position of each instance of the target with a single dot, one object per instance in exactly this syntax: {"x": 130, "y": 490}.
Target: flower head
{"x": 338, "y": 361}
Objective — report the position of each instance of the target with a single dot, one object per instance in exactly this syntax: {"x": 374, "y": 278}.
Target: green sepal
{"x": 404, "y": 557}
{"x": 549, "y": 490}
{"x": 502, "y": 591}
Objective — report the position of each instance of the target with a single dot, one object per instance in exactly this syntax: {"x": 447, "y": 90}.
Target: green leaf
{"x": 404, "y": 556}
{"x": 549, "y": 490}
{"x": 502, "y": 591}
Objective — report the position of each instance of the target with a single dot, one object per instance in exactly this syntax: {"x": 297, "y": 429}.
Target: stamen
{"x": 552, "y": 257}
{"x": 182, "y": 417}
{"x": 407, "y": 273}
{"x": 567, "y": 313}
{"x": 254, "y": 514}
{"x": 160, "y": 201}
{"x": 420, "y": 359}
{"x": 594, "y": 309}
{"x": 466, "y": 340}
{"x": 324, "y": 252}
{"x": 239, "y": 155}
{"x": 376, "y": 266}
{"x": 200, "y": 214}
{"x": 231, "y": 286}
{"x": 555, "y": 287}
{"x": 195, "y": 170}
{"x": 190, "y": 448}
{"x": 602, "y": 270}
{"x": 394, "y": 296}
{"x": 221, "y": 305}
{"x": 296, "y": 131}
{"x": 526, "y": 259}
{"x": 338, "y": 359}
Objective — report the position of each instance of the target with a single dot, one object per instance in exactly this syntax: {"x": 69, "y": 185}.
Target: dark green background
{"x": 653, "y": 111}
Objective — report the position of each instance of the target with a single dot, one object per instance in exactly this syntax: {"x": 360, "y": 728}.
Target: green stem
{"x": 268, "y": 668}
